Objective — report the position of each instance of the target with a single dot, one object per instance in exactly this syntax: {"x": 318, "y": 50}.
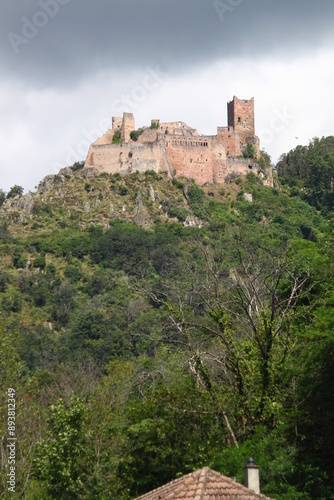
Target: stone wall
{"x": 174, "y": 146}
{"x": 128, "y": 125}
{"x": 230, "y": 140}
{"x": 201, "y": 159}
{"x": 128, "y": 157}
{"x": 240, "y": 114}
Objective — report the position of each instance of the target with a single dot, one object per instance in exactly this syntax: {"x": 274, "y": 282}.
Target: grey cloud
{"x": 87, "y": 36}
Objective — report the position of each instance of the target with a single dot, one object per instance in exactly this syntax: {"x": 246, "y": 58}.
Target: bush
{"x": 123, "y": 191}
{"x": 14, "y": 191}
{"x": 12, "y": 302}
{"x": 40, "y": 262}
{"x": 250, "y": 151}
{"x": 72, "y": 273}
{"x": 180, "y": 213}
{"x": 117, "y": 138}
{"x": 178, "y": 184}
{"x": 4, "y": 279}
{"x": 78, "y": 165}
{"x": 154, "y": 124}
{"x": 135, "y": 134}
{"x": 115, "y": 177}
{"x": 2, "y": 197}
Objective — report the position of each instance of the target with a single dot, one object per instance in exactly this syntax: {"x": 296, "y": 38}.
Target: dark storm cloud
{"x": 59, "y": 42}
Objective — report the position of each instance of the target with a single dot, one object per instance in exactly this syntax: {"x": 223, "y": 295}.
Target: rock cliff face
{"x": 178, "y": 149}
{"x": 85, "y": 197}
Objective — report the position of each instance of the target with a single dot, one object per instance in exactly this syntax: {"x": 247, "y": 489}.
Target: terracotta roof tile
{"x": 203, "y": 484}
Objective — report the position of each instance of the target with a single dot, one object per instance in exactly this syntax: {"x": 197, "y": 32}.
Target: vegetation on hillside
{"x": 150, "y": 328}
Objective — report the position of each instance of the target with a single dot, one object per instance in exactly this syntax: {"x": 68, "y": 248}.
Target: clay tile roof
{"x": 203, "y": 484}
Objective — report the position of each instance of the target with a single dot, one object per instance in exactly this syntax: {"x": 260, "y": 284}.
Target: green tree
{"x": 15, "y": 191}
{"x": 2, "y": 197}
{"x": 61, "y": 456}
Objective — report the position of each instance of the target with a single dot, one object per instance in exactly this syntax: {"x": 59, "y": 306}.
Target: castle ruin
{"x": 179, "y": 149}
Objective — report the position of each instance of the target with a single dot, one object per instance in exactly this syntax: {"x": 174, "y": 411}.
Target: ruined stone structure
{"x": 177, "y": 148}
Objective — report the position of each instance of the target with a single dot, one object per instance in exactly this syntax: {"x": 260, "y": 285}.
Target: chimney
{"x": 252, "y": 476}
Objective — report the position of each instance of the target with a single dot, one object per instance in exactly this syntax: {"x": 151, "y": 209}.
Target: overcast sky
{"x": 68, "y": 66}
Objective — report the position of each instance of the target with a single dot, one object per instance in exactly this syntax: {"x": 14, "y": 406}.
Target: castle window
{"x": 239, "y": 119}
{"x": 130, "y": 155}
{"x": 250, "y": 167}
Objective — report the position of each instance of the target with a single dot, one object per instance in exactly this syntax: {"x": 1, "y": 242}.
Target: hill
{"x": 152, "y": 327}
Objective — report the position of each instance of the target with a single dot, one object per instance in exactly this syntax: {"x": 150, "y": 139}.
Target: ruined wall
{"x": 128, "y": 157}
{"x": 117, "y": 123}
{"x": 230, "y": 140}
{"x": 201, "y": 159}
{"x": 176, "y": 146}
{"x": 240, "y": 114}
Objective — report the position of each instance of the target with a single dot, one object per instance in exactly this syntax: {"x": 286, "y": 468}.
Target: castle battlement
{"x": 176, "y": 147}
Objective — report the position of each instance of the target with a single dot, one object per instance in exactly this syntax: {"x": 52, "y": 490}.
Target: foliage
{"x": 60, "y": 458}
{"x": 134, "y": 134}
{"x": 250, "y": 151}
{"x": 117, "y": 138}
{"x": 311, "y": 169}
{"x": 154, "y": 124}
{"x": 143, "y": 353}
{"x": 78, "y": 165}
{"x": 14, "y": 191}
{"x": 2, "y": 197}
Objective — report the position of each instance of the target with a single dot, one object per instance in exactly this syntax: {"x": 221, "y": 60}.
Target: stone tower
{"x": 240, "y": 115}
{"x": 128, "y": 124}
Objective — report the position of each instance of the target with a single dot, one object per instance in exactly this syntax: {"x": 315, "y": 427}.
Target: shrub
{"x": 78, "y": 165}
{"x": 251, "y": 178}
{"x": 116, "y": 177}
{"x": 250, "y": 151}
{"x": 12, "y": 302}
{"x": 117, "y": 138}
{"x": 178, "y": 184}
{"x": 40, "y": 262}
{"x": 123, "y": 190}
{"x": 4, "y": 279}
{"x": 135, "y": 134}
{"x": 261, "y": 162}
{"x": 72, "y": 273}
{"x": 14, "y": 191}
{"x": 154, "y": 124}
{"x": 2, "y": 197}
{"x": 180, "y": 213}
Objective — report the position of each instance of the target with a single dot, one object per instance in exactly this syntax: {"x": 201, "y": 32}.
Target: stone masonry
{"x": 179, "y": 149}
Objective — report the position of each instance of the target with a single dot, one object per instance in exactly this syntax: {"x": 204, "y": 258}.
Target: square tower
{"x": 128, "y": 125}
{"x": 240, "y": 116}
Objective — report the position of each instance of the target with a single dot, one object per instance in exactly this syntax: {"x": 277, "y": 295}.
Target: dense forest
{"x": 150, "y": 327}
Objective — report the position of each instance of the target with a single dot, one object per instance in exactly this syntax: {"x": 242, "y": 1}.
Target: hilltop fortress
{"x": 179, "y": 149}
